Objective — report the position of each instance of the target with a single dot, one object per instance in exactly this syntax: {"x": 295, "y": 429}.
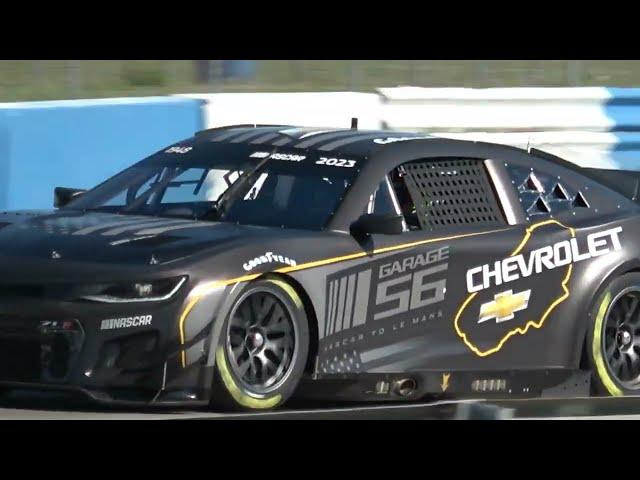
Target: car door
{"x": 453, "y": 221}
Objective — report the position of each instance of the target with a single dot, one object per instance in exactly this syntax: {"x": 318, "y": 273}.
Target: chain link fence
{"x": 66, "y": 79}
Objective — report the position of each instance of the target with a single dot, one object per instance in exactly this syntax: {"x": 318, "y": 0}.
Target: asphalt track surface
{"x": 34, "y": 409}
{"x": 17, "y": 408}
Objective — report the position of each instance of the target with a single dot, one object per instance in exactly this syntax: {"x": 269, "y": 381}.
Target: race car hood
{"x": 69, "y": 237}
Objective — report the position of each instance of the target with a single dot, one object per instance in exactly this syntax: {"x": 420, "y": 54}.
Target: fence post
{"x": 201, "y": 71}
{"x": 413, "y": 73}
{"x": 74, "y": 78}
{"x": 354, "y": 75}
{"x": 574, "y": 72}
{"x": 480, "y": 74}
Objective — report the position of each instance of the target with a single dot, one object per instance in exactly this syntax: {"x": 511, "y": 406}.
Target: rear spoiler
{"x": 625, "y": 182}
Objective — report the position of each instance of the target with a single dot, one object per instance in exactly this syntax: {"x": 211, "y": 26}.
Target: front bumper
{"x": 115, "y": 354}
{"x": 128, "y": 397}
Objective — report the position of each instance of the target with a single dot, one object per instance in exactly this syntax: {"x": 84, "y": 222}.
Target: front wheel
{"x": 613, "y": 340}
{"x": 263, "y": 348}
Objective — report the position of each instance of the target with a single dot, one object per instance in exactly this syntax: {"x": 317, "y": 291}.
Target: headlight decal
{"x": 141, "y": 288}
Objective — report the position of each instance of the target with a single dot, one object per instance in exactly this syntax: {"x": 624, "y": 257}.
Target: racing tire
{"x": 262, "y": 353}
{"x": 613, "y": 339}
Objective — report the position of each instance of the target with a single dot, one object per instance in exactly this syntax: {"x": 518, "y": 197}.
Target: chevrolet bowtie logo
{"x": 504, "y": 305}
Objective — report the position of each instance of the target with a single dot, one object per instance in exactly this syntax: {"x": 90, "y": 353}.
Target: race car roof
{"x": 332, "y": 141}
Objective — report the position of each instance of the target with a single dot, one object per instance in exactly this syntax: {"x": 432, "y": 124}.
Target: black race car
{"x": 251, "y": 263}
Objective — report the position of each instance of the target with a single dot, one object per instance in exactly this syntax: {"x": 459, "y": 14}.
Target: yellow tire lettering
{"x": 290, "y": 291}
{"x": 601, "y": 367}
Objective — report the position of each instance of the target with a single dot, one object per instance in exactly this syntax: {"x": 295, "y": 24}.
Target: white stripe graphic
{"x": 328, "y": 327}
{"x": 346, "y": 320}
{"x": 310, "y": 134}
{"x": 144, "y": 224}
{"x": 334, "y": 308}
{"x": 119, "y": 223}
{"x": 362, "y": 298}
{"x": 343, "y": 293}
{"x": 157, "y": 231}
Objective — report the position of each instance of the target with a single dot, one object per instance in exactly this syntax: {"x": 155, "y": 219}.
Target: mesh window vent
{"x": 452, "y": 192}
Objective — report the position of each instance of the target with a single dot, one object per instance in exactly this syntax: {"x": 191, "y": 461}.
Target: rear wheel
{"x": 263, "y": 348}
{"x": 613, "y": 339}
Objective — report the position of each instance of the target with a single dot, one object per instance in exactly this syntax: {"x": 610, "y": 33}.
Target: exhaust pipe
{"x": 404, "y": 387}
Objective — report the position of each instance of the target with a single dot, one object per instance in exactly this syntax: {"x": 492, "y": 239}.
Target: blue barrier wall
{"x": 623, "y": 108}
{"x": 79, "y": 143}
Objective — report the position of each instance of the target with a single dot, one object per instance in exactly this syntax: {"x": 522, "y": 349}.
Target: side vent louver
{"x": 532, "y": 184}
{"x": 538, "y": 207}
{"x": 559, "y": 192}
{"x": 580, "y": 201}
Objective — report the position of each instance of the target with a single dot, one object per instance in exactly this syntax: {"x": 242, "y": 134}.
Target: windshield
{"x": 229, "y": 183}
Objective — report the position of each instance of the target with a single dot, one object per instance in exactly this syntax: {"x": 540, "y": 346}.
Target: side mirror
{"x": 62, "y": 196}
{"x": 371, "y": 223}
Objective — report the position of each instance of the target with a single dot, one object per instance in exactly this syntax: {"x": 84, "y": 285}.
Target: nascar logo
{"x": 290, "y": 157}
{"x": 126, "y": 322}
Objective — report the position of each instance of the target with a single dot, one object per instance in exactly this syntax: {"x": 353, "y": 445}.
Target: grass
{"x": 64, "y": 79}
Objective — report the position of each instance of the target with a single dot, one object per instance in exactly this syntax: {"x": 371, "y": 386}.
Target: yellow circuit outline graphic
{"x": 531, "y": 323}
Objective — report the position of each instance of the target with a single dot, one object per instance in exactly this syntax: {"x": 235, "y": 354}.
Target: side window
{"x": 184, "y": 187}
{"x": 391, "y": 197}
{"x": 381, "y": 201}
{"x": 127, "y": 196}
{"x": 398, "y": 180}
